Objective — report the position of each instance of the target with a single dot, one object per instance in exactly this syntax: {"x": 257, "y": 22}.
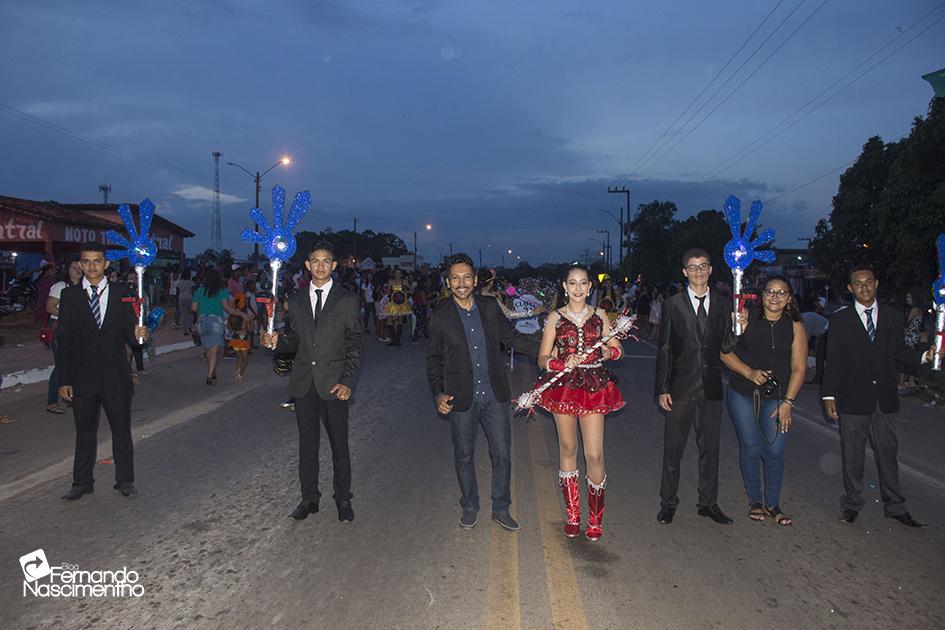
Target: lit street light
{"x": 427, "y": 227}
{"x": 285, "y": 161}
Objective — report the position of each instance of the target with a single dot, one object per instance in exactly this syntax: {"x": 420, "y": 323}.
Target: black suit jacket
{"x": 860, "y": 374}
{"x": 688, "y": 366}
{"x": 327, "y": 353}
{"x": 449, "y": 367}
{"x": 92, "y": 360}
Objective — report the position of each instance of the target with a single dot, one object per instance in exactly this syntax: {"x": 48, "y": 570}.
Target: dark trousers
{"x": 52, "y": 388}
{"x": 85, "y": 409}
{"x": 706, "y": 416}
{"x": 310, "y": 411}
{"x": 880, "y": 429}
{"x": 464, "y": 427}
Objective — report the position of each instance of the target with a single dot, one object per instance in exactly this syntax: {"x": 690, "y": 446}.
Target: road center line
{"x": 567, "y": 609}
{"x": 503, "y": 589}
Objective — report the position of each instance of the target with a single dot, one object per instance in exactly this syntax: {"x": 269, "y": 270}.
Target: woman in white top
{"x": 73, "y": 276}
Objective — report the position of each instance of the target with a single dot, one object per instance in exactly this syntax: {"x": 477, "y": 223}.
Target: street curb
{"x": 38, "y": 375}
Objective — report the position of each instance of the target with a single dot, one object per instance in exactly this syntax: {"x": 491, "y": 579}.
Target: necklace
{"x": 578, "y": 318}
{"x": 772, "y": 324}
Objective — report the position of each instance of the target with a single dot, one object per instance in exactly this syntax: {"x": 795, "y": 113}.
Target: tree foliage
{"x": 889, "y": 208}
{"x": 371, "y": 244}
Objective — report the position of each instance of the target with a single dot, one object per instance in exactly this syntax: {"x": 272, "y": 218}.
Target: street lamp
{"x": 606, "y": 247}
{"x": 427, "y": 227}
{"x": 285, "y": 161}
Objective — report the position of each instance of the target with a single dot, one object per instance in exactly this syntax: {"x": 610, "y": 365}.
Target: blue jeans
{"x": 754, "y": 447}
{"x": 464, "y": 425}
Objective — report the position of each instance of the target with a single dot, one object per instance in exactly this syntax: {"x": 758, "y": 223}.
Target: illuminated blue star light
{"x": 740, "y": 252}
{"x": 277, "y": 239}
{"x": 938, "y": 287}
{"x": 138, "y": 247}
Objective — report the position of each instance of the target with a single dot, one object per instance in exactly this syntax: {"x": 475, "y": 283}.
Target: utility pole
{"x": 810, "y": 258}
{"x": 607, "y": 250}
{"x": 480, "y": 258}
{"x": 216, "y": 231}
{"x": 354, "y": 248}
{"x": 105, "y": 189}
{"x": 414, "y": 250}
{"x": 624, "y": 231}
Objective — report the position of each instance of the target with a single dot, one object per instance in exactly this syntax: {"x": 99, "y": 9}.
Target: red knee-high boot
{"x": 595, "y": 509}
{"x": 572, "y": 501}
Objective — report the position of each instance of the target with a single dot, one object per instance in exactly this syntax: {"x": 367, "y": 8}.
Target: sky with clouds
{"x": 500, "y": 123}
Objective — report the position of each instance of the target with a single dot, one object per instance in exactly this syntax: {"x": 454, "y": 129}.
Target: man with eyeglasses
{"x": 694, "y": 324}
{"x": 861, "y": 385}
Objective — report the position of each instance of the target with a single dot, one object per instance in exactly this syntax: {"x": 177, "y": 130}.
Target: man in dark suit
{"x": 861, "y": 385}
{"x": 694, "y": 324}
{"x": 95, "y": 326}
{"x": 325, "y": 338}
{"x": 466, "y": 370}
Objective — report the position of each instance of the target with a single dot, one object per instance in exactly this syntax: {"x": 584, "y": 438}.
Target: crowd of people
{"x": 473, "y": 322}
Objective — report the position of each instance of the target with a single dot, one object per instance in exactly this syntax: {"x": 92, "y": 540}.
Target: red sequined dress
{"x": 589, "y": 388}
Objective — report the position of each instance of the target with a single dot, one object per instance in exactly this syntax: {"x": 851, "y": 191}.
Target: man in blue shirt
{"x": 466, "y": 370}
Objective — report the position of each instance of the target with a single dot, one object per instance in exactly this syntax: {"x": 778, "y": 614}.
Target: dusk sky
{"x": 500, "y": 123}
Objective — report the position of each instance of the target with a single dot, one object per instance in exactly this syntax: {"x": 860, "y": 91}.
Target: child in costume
{"x": 239, "y": 340}
{"x": 398, "y": 308}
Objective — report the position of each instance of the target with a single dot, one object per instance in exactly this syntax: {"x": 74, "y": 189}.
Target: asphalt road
{"x": 213, "y": 547}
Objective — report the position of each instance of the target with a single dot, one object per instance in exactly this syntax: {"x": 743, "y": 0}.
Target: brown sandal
{"x": 55, "y": 408}
{"x": 779, "y": 517}
{"x": 757, "y": 512}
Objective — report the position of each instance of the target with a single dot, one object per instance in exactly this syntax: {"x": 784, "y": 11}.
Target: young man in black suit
{"x": 95, "y": 326}
{"x": 326, "y": 342}
{"x": 861, "y": 385}
{"x": 694, "y": 324}
{"x": 466, "y": 370}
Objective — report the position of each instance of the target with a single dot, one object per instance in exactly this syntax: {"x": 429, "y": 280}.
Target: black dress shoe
{"x": 126, "y": 489}
{"x": 345, "y": 513}
{"x": 304, "y": 509}
{"x": 77, "y": 492}
{"x": 849, "y": 516}
{"x": 666, "y": 515}
{"x": 907, "y": 520}
{"x": 716, "y": 514}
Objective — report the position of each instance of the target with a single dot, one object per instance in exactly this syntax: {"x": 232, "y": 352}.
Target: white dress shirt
{"x": 325, "y": 288}
{"x": 102, "y": 295}
{"x": 695, "y": 300}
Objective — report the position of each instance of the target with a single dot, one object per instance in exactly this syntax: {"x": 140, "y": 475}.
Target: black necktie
{"x": 701, "y": 314}
{"x": 318, "y": 303}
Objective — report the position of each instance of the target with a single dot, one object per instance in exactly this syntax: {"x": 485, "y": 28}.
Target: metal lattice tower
{"x": 216, "y": 232}
{"x": 105, "y": 189}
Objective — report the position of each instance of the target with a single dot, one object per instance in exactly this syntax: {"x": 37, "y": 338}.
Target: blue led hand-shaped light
{"x": 938, "y": 296}
{"x": 277, "y": 239}
{"x": 138, "y": 248}
{"x": 742, "y": 250}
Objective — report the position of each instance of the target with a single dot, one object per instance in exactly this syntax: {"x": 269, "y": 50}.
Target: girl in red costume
{"x": 581, "y": 397}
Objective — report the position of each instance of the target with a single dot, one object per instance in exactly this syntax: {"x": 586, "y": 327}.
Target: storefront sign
{"x": 22, "y": 230}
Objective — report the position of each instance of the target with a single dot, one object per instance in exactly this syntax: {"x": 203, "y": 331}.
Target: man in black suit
{"x": 95, "y": 326}
{"x": 861, "y": 385}
{"x": 466, "y": 370}
{"x": 694, "y": 325}
{"x": 325, "y": 338}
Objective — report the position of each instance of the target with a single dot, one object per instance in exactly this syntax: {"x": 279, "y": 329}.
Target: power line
{"x": 737, "y": 87}
{"x": 656, "y": 155}
{"x": 16, "y": 113}
{"x": 760, "y": 141}
{"x": 706, "y": 87}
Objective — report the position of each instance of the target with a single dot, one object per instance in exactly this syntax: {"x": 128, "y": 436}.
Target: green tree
{"x": 707, "y": 229}
{"x": 652, "y": 230}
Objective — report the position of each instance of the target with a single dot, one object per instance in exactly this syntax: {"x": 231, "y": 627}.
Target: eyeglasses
{"x": 699, "y": 267}
{"x": 778, "y": 293}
